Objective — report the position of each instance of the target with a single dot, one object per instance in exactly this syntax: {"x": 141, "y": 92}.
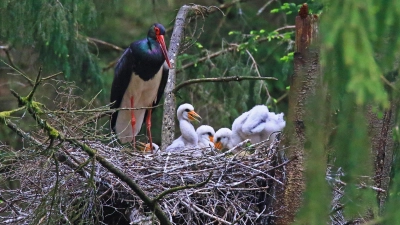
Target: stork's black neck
{"x": 147, "y": 58}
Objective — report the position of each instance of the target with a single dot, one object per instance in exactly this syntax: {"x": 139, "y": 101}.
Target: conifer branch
{"x": 219, "y": 79}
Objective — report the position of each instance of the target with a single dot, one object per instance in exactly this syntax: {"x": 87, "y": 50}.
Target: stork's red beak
{"x": 160, "y": 39}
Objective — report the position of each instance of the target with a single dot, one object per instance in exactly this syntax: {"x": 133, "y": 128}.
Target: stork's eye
{"x": 157, "y": 30}
{"x": 187, "y": 110}
{"x": 218, "y": 139}
{"x": 209, "y": 134}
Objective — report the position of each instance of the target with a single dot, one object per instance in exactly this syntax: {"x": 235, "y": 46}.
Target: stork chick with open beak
{"x": 146, "y": 148}
{"x": 188, "y": 138}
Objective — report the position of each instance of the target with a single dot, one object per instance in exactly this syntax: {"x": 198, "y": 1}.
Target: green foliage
{"x": 355, "y": 55}
{"x": 251, "y": 41}
{"x": 353, "y": 31}
{"x": 288, "y": 57}
{"x": 55, "y": 30}
{"x": 287, "y": 8}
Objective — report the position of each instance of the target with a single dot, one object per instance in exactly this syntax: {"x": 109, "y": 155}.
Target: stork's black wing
{"x": 163, "y": 83}
{"x": 122, "y": 77}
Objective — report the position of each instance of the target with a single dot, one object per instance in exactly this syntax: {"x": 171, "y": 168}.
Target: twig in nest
{"x": 175, "y": 189}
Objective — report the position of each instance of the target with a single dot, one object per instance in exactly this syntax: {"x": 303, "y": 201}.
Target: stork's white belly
{"x": 144, "y": 94}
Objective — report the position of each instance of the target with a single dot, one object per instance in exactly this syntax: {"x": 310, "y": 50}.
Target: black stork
{"x": 139, "y": 81}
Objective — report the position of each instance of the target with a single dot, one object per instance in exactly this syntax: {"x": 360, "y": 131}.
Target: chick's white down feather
{"x": 257, "y": 125}
{"x": 223, "y": 136}
{"x": 188, "y": 138}
{"x": 205, "y": 134}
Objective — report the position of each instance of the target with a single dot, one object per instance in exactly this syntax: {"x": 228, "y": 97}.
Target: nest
{"x": 69, "y": 187}
{"x": 55, "y": 181}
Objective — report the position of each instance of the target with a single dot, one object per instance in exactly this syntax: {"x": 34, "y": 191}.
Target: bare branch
{"x": 112, "y": 46}
{"x": 219, "y": 79}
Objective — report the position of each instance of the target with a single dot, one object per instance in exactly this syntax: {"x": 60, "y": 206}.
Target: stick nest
{"x": 56, "y": 182}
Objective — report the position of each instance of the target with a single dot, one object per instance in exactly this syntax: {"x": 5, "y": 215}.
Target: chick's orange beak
{"x": 144, "y": 147}
{"x": 193, "y": 116}
{"x": 211, "y": 138}
{"x": 218, "y": 145}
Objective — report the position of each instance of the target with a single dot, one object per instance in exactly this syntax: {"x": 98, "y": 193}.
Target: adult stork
{"x": 139, "y": 81}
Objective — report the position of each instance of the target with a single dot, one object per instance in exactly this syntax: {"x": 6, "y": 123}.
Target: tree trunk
{"x": 168, "y": 123}
{"x": 381, "y": 134}
{"x": 303, "y": 85}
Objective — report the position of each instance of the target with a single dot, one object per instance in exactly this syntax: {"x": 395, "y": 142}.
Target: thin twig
{"x": 30, "y": 81}
{"x": 95, "y": 40}
{"x": 219, "y": 79}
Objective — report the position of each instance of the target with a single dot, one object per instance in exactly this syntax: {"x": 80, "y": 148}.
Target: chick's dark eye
{"x": 218, "y": 139}
{"x": 187, "y": 110}
{"x": 209, "y": 134}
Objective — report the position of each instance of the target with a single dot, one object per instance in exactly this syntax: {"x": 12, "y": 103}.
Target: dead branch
{"x": 219, "y": 79}
{"x": 98, "y": 41}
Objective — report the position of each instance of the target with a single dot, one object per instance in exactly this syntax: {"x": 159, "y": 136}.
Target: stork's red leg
{"x": 148, "y": 125}
{"x": 133, "y": 121}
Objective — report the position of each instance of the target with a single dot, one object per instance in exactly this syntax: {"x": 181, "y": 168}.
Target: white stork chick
{"x": 225, "y": 138}
{"x": 188, "y": 138}
{"x": 260, "y": 124}
{"x": 253, "y": 127}
{"x": 205, "y": 134}
{"x": 256, "y": 124}
{"x": 274, "y": 124}
{"x": 146, "y": 147}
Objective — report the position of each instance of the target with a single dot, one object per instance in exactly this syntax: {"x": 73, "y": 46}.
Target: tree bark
{"x": 178, "y": 34}
{"x": 303, "y": 85}
{"x": 381, "y": 133}
{"x": 168, "y": 123}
